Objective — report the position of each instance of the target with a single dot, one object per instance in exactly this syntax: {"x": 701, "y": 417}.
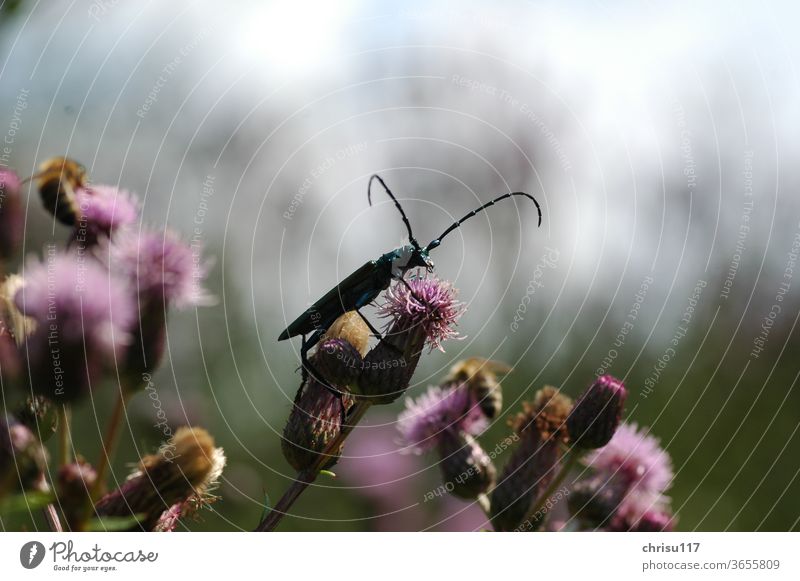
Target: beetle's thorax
{"x": 403, "y": 256}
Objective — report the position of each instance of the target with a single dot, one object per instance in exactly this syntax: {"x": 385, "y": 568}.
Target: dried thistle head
{"x": 541, "y": 429}
{"x": 547, "y": 414}
{"x": 187, "y": 467}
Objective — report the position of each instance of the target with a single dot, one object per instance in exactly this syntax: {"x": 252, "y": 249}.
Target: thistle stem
{"x": 64, "y": 434}
{"x": 306, "y": 477}
{"x": 51, "y": 515}
{"x": 109, "y": 442}
{"x": 568, "y": 464}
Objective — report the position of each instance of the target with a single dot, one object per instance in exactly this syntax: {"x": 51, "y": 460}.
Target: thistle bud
{"x": 595, "y": 502}
{"x": 421, "y": 310}
{"x": 338, "y": 362}
{"x": 467, "y": 470}
{"x": 74, "y": 485}
{"x": 185, "y": 468}
{"x": 11, "y": 215}
{"x": 315, "y": 421}
{"x": 39, "y": 415}
{"x": 597, "y": 413}
{"x": 654, "y": 521}
{"x": 540, "y": 429}
{"x": 22, "y": 457}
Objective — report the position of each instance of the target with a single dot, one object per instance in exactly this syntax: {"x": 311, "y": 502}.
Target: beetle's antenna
{"x": 437, "y": 241}
{"x": 413, "y": 240}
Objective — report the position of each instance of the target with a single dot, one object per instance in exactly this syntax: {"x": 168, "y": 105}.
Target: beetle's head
{"x": 420, "y": 259}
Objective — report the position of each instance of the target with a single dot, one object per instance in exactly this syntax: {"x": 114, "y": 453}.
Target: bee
{"x": 57, "y": 181}
{"x": 480, "y": 375}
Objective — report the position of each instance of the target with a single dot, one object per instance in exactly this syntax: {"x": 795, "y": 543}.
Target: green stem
{"x": 306, "y": 477}
{"x": 109, "y": 442}
{"x": 65, "y": 435}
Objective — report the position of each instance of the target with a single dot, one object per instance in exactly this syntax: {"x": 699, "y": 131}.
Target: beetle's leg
{"x": 308, "y": 369}
{"x": 375, "y": 333}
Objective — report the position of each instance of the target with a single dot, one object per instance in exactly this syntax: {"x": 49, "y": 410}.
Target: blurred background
{"x": 660, "y": 138}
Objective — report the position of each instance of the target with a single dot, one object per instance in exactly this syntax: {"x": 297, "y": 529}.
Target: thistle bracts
{"x": 185, "y": 469}
{"x": 534, "y": 462}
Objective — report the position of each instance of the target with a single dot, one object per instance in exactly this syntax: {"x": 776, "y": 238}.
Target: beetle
{"x": 365, "y": 284}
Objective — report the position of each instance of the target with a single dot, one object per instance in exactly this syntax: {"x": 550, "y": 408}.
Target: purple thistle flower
{"x": 426, "y": 419}
{"x": 427, "y": 302}
{"x": 11, "y": 215}
{"x": 103, "y": 211}
{"x": 634, "y": 460}
{"x": 163, "y": 269}
{"x": 82, "y": 317}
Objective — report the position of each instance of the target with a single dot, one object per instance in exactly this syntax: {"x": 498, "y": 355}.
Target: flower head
{"x": 11, "y": 215}
{"x": 186, "y": 468}
{"x": 426, "y": 419}
{"x": 163, "y": 269}
{"x": 22, "y": 457}
{"x": 595, "y": 416}
{"x": 425, "y": 302}
{"x": 635, "y": 461}
{"x": 314, "y": 422}
{"x": 467, "y": 470}
{"x": 635, "y": 456}
{"x": 82, "y": 317}
{"x": 103, "y": 211}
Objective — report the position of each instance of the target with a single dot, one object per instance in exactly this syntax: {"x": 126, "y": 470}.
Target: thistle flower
{"x": 634, "y": 461}
{"x": 82, "y": 316}
{"x": 428, "y": 313}
{"x": 169, "y": 519}
{"x": 103, "y": 211}
{"x": 185, "y": 468}
{"x": 467, "y": 470}
{"x": 435, "y": 413}
{"x": 652, "y": 521}
{"x": 11, "y": 215}
{"x": 426, "y": 302}
{"x": 22, "y": 457}
{"x": 74, "y": 484}
{"x": 165, "y": 272}
{"x": 540, "y": 428}
{"x": 596, "y": 414}
{"x": 162, "y": 268}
